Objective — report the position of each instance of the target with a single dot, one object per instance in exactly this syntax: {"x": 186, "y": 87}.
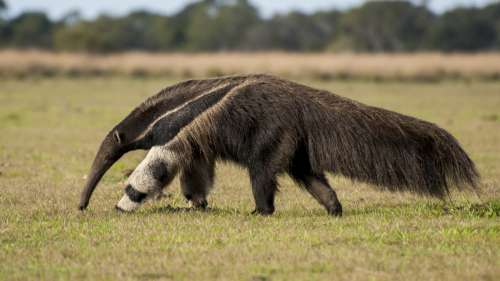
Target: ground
{"x": 50, "y": 131}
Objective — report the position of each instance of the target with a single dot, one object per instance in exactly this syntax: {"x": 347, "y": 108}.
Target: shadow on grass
{"x": 176, "y": 210}
{"x": 154, "y": 276}
{"x": 489, "y": 209}
{"x": 484, "y": 210}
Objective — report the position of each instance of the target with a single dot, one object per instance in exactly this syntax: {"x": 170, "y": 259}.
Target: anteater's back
{"x": 269, "y": 119}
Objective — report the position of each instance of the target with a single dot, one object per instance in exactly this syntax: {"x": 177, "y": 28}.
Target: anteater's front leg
{"x": 148, "y": 179}
{"x": 197, "y": 180}
{"x": 264, "y": 188}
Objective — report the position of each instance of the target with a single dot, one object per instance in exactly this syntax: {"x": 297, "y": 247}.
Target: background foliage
{"x": 217, "y": 25}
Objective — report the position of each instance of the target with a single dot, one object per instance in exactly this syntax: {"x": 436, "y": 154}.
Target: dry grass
{"x": 51, "y": 129}
{"x": 325, "y": 66}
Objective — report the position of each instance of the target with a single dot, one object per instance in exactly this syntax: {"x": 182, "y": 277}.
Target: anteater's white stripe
{"x": 174, "y": 110}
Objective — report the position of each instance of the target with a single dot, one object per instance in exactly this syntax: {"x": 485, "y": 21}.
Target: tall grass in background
{"x": 324, "y": 66}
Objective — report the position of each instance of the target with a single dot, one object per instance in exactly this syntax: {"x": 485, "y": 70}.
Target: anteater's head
{"x": 109, "y": 152}
{"x": 129, "y": 135}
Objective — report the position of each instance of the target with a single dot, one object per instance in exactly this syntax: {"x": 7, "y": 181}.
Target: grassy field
{"x": 50, "y": 130}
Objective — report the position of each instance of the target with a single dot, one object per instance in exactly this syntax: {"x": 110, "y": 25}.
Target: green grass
{"x": 50, "y": 130}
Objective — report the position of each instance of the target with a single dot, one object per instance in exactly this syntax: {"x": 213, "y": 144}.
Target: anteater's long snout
{"x": 106, "y": 156}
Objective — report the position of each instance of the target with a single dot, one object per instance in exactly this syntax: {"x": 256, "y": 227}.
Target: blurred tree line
{"x": 215, "y": 25}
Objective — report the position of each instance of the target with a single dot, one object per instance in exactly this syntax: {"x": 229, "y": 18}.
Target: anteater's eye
{"x": 118, "y": 137}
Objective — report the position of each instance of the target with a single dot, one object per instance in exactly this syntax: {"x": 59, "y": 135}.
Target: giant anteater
{"x": 273, "y": 126}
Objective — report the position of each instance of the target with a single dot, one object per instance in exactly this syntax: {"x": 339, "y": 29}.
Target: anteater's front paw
{"x": 126, "y": 204}
{"x": 120, "y": 210}
{"x": 263, "y": 212}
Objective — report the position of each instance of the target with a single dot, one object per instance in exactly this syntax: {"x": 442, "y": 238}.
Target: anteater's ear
{"x": 118, "y": 137}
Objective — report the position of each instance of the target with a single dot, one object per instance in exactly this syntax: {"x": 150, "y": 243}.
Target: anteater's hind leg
{"x": 197, "y": 180}
{"x": 314, "y": 182}
{"x": 319, "y": 188}
{"x": 264, "y": 188}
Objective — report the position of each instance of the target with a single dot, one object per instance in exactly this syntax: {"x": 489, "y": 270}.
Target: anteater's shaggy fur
{"x": 274, "y": 126}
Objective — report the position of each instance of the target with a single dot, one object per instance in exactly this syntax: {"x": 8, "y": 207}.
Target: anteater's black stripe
{"x": 134, "y": 195}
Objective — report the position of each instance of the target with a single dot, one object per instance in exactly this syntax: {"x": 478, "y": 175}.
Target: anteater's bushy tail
{"x": 392, "y": 151}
